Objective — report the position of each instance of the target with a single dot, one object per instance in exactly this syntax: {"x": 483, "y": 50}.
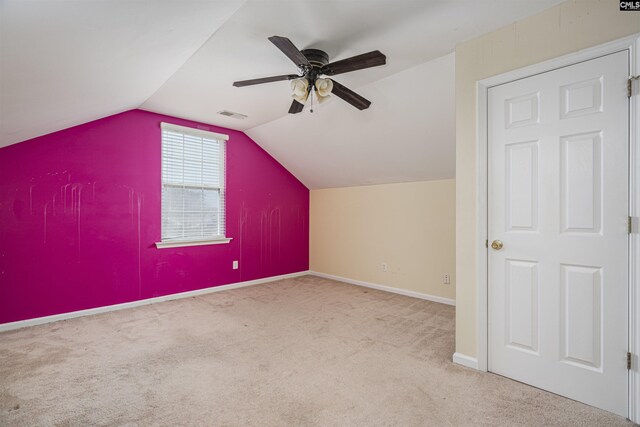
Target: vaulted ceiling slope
{"x": 408, "y": 133}
{"x": 64, "y": 63}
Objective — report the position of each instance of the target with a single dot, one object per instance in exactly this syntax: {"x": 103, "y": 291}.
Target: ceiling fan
{"x": 313, "y": 63}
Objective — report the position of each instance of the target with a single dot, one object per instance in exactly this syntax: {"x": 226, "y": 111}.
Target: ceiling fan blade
{"x": 289, "y": 49}
{"x": 350, "y": 96}
{"x": 265, "y": 80}
{"x": 358, "y": 62}
{"x": 296, "y": 107}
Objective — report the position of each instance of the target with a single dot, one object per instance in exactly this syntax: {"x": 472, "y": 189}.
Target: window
{"x": 193, "y": 186}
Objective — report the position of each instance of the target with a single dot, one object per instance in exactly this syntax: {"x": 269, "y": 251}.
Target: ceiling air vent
{"x": 232, "y": 114}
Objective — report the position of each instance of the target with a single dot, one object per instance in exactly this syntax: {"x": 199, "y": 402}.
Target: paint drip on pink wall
{"x": 80, "y": 213}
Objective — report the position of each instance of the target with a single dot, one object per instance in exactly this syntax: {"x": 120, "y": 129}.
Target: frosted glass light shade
{"x": 300, "y": 88}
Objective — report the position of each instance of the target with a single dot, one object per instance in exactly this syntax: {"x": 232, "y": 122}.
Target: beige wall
{"x": 566, "y": 28}
{"x": 410, "y": 226}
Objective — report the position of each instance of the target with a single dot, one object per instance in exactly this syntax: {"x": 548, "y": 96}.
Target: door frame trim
{"x": 632, "y": 45}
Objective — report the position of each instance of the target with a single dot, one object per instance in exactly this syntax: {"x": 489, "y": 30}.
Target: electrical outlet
{"x": 385, "y": 267}
{"x": 235, "y": 265}
{"x": 446, "y": 279}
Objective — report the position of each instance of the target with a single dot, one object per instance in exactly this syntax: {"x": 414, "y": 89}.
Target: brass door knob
{"x": 497, "y": 245}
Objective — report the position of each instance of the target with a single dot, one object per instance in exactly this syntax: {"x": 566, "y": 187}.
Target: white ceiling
{"x": 64, "y": 63}
{"x": 408, "y": 133}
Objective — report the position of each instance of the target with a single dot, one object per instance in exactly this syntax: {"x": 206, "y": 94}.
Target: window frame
{"x": 199, "y": 133}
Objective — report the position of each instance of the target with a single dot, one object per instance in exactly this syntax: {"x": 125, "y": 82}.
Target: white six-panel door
{"x": 558, "y": 202}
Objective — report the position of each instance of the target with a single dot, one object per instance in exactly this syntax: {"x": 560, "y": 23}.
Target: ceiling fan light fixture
{"x": 323, "y": 89}
{"x": 300, "y": 88}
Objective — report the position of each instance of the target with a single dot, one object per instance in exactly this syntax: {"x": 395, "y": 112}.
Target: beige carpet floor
{"x": 298, "y": 352}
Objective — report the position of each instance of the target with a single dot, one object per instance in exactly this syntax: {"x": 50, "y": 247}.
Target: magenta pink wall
{"x": 80, "y": 213}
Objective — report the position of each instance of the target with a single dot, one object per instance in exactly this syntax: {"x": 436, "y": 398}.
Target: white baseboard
{"x": 63, "y": 316}
{"x": 405, "y": 292}
{"x": 464, "y": 360}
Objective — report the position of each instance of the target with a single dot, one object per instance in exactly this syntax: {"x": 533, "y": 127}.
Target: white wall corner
{"x": 405, "y": 292}
{"x": 464, "y": 360}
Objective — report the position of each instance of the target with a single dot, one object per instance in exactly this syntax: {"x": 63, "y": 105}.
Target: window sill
{"x": 181, "y": 243}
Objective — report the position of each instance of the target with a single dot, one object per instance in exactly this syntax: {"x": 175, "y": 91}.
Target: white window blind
{"x": 193, "y": 184}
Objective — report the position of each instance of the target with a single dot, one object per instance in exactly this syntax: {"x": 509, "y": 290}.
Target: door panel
{"x": 522, "y": 314}
{"x": 581, "y": 316}
{"x": 558, "y": 200}
{"x": 522, "y": 186}
{"x": 581, "y": 179}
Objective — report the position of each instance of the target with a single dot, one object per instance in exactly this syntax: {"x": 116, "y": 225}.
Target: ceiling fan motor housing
{"x": 317, "y": 58}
